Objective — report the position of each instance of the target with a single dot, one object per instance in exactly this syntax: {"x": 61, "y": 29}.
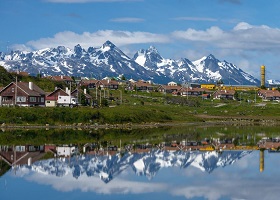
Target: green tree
{"x": 83, "y": 100}
{"x": 123, "y": 78}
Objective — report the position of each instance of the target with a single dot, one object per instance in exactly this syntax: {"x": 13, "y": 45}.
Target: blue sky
{"x": 243, "y": 32}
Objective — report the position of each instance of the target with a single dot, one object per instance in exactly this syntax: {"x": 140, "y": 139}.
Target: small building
{"x": 66, "y": 151}
{"x": 224, "y": 94}
{"x": 66, "y": 79}
{"x": 89, "y": 84}
{"x": 169, "y": 88}
{"x": 141, "y": 86}
{"x": 78, "y": 93}
{"x": 269, "y": 95}
{"x": 108, "y": 84}
{"x": 239, "y": 87}
{"x": 22, "y": 94}
{"x": 51, "y": 98}
{"x": 190, "y": 91}
{"x": 208, "y": 86}
{"x": 172, "y": 83}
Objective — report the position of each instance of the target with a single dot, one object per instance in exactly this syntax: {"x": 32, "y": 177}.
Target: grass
{"x": 143, "y": 108}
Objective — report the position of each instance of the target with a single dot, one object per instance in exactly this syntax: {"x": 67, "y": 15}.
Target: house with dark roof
{"x": 79, "y": 94}
{"x": 108, "y": 84}
{"x": 90, "y": 84}
{"x": 140, "y": 86}
{"x": 224, "y": 94}
{"x": 269, "y": 95}
{"x": 22, "y": 94}
{"x": 62, "y": 78}
{"x": 52, "y": 97}
{"x": 169, "y": 88}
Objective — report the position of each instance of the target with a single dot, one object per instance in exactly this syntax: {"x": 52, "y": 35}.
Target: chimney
{"x": 61, "y": 76}
{"x": 31, "y": 85}
{"x": 85, "y": 91}
{"x": 66, "y": 90}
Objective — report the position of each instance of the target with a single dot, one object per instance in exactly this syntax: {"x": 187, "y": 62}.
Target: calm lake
{"x": 151, "y": 172}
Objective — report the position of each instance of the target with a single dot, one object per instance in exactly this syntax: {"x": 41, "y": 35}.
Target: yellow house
{"x": 239, "y": 87}
{"x": 208, "y": 86}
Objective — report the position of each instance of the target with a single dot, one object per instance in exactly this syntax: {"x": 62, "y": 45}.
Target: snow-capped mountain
{"x": 109, "y": 60}
{"x": 146, "y": 164}
{"x": 273, "y": 82}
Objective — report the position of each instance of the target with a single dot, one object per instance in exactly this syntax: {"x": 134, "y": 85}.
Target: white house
{"x": 66, "y": 151}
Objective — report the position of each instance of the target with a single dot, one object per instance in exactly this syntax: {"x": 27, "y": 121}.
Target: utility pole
{"x": 16, "y": 92}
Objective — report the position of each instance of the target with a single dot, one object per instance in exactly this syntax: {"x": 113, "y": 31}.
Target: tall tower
{"x": 262, "y": 76}
{"x": 261, "y": 160}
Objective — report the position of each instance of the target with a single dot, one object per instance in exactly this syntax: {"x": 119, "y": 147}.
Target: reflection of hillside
{"x": 4, "y": 167}
{"x": 107, "y": 167}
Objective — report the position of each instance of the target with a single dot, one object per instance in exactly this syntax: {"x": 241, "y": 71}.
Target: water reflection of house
{"x": 66, "y": 151}
{"x": 20, "y": 155}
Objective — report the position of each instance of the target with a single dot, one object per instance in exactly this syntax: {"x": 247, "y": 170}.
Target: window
{"x": 21, "y": 99}
{"x": 42, "y": 99}
{"x": 13, "y": 90}
{"x": 48, "y": 102}
{"x": 32, "y": 99}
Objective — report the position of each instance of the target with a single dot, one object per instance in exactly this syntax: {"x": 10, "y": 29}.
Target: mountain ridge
{"x": 109, "y": 60}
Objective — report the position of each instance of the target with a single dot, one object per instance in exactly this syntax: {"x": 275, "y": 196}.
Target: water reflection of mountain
{"x": 144, "y": 164}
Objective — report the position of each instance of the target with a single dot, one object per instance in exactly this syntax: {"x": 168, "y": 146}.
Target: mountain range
{"x": 109, "y": 60}
{"x": 144, "y": 164}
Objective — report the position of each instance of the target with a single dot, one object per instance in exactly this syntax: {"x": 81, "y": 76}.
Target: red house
{"x": 22, "y": 94}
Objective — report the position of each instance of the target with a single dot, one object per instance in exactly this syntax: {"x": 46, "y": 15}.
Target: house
{"x": 89, "y": 84}
{"x": 141, "y": 86}
{"x": 66, "y": 151}
{"x": 77, "y": 93}
{"x": 224, "y": 94}
{"x": 172, "y": 83}
{"x": 51, "y": 98}
{"x": 190, "y": 91}
{"x": 66, "y": 79}
{"x": 22, "y": 94}
{"x": 102, "y": 84}
{"x": 269, "y": 95}
{"x": 239, "y": 87}
{"x": 208, "y": 86}
{"x": 21, "y": 155}
{"x": 108, "y": 84}
{"x": 169, "y": 88}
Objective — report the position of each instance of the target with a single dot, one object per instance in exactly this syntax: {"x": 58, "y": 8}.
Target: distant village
{"x": 28, "y": 94}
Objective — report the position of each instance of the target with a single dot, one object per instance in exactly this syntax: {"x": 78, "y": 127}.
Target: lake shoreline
{"x": 206, "y": 121}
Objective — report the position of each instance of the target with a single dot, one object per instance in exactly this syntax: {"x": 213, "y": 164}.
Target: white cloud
{"x": 243, "y": 36}
{"x": 86, "y": 39}
{"x": 84, "y": 183}
{"x": 127, "y": 19}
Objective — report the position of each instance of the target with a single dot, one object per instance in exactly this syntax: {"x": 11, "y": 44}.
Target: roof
{"x": 231, "y": 92}
{"x": 141, "y": 83}
{"x": 25, "y": 87}
{"x": 171, "y": 87}
{"x": 109, "y": 82}
{"x": 81, "y": 92}
{"x": 51, "y": 95}
{"x": 61, "y": 78}
{"x": 87, "y": 82}
{"x": 270, "y": 93}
